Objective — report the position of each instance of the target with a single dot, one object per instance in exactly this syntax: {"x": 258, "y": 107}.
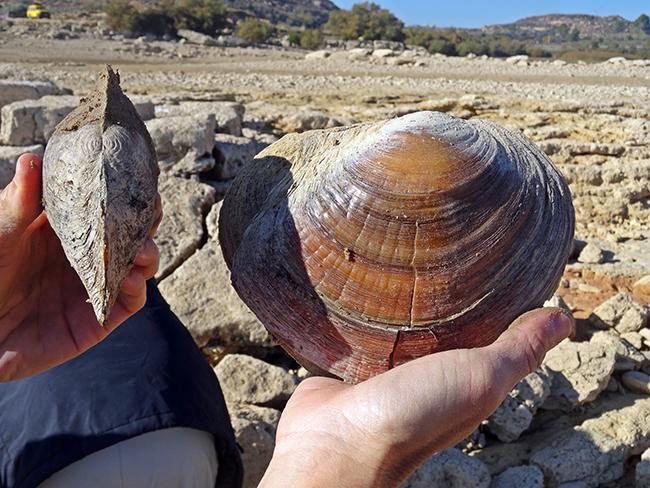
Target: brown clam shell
{"x": 100, "y": 181}
{"x": 362, "y": 248}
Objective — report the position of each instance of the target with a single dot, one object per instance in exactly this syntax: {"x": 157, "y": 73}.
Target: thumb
{"x": 20, "y": 201}
{"x": 521, "y": 349}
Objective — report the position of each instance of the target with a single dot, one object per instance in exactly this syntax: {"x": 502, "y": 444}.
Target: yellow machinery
{"x": 37, "y": 11}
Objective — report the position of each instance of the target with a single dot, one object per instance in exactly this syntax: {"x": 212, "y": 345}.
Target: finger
{"x": 158, "y": 213}
{"x": 21, "y": 199}
{"x": 132, "y": 297}
{"x": 133, "y": 285}
{"x": 521, "y": 349}
{"x": 148, "y": 259}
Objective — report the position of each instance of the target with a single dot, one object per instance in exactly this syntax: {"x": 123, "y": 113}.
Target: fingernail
{"x": 559, "y": 326}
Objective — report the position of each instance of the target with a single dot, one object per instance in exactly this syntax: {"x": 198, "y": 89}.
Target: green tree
{"x": 311, "y": 39}
{"x": 205, "y": 16}
{"x": 367, "y": 20}
{"x": 343, "y": 24}
{"x": 375, "y": 22}
{"x": 253, "y": 30}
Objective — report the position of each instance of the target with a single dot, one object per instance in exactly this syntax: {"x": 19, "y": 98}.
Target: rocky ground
{"x": 582, "y": 419}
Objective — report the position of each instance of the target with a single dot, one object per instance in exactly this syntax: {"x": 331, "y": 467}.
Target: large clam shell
{"x": 100, "y": 181}
{"x": 361, "y": 248}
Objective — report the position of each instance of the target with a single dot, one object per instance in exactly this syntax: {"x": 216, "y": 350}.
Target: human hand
{"x": 377, "y": 432}
{"x": 45, "y": 318}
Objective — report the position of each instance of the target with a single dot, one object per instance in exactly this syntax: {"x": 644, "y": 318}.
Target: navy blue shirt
{"x": 147, "y": 375}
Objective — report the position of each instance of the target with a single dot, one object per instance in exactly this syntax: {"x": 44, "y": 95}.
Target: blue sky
{"x": 476, "y": 13}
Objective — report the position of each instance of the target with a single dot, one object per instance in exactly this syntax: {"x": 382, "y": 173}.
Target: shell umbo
{"x": 100, "y": 176}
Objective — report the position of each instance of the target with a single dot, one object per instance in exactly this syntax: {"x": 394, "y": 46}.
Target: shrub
{"x": 156, "y": 22}
{"x": 294, "y": 38}
{"x": 205, "y": 16}
{"x": 311, "y": 39}
{"x": 253, "y": 30}
{"x": 121, "y": 16}
{"x": 17, "y": 10}
{"x": 442, "y": 46}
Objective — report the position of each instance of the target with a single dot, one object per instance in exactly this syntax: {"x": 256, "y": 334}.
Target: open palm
{"x": 377, "y": 432}
{"x": 45, "y": 317}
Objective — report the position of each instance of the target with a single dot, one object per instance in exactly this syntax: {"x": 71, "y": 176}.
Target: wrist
{"x": 314, "y": 463}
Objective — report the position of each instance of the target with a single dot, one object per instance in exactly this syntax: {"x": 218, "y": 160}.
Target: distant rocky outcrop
{"x": 310, "y": 13}
{"x": 586, "y": 26}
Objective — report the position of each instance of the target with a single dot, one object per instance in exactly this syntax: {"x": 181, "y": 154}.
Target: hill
{"x": 570, "y": 27}
{"x": 311, "y": 13}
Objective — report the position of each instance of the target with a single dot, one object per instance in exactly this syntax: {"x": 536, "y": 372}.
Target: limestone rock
{"x": 317, "y": 55}
{"x": 33, "y": 121}
{"x": 144, "y": 106}
{"x": 303, "y": 120}
{"x": 228, "y": 115}
{"x": 255, "y": 429}
{"x": 245, "y": 379}
{"x": 591, "y": 254}
{"x": 642, "y": 475}
{"x": 233, "y": 153}
{"x": 519, "y": 477}
{"x": 190, "y": 165}
{"x": 450, "y": 468}
{"x": 636, "y": 381}
{"x": 185, "y": 203}
{"x": 635, "y": 339}
{"x": 359, "y": 53}
{"x": 383, "y": 53}
{"x": 580, "y": 371}
{"x": 16, "y": 90}
{"x": 200, "y": 293}
{"x": 176, "y": 137}
{"x": 8, "y": 157}
{"x": 622, "y": 313}
{"x": 519, "y": 59}
{"x": 590, "y": 457}
{"x": 627, "y": 356}
{"x": 516, "y": 412}
{"x": 595, "y": 451}
{"x": 197, "y": 37}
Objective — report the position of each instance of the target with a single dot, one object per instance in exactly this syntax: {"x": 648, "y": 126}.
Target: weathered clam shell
{"x": 361, "y": 248}
{"x": 100, "y": 181}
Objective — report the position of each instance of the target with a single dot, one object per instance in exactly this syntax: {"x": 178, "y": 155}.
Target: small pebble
{"x": 588, "y": 288}
{"x": 636, "y": 381}
{"x": 591, "y": 254}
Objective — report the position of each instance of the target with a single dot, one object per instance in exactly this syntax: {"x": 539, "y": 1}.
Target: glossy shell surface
{"x": 362, "y": 248}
